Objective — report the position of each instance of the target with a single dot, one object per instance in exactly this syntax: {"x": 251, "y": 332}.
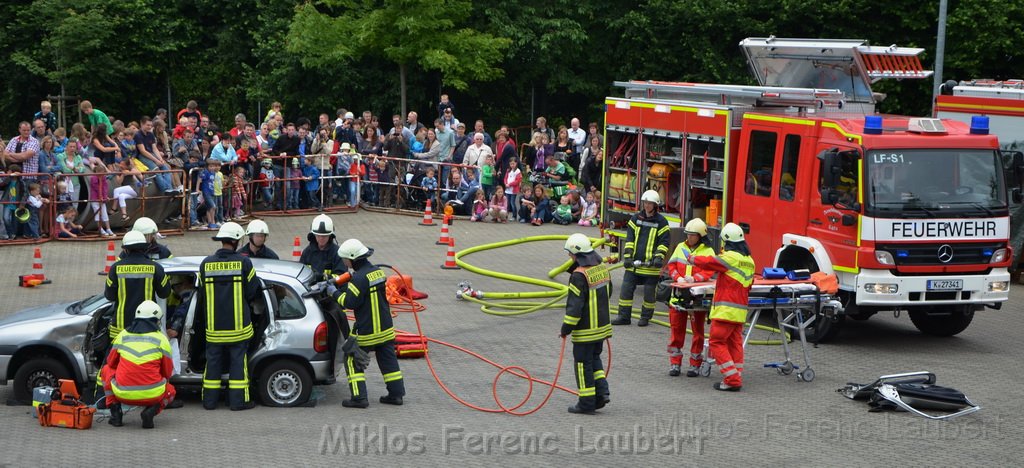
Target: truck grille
{"x": 933, "y": 254}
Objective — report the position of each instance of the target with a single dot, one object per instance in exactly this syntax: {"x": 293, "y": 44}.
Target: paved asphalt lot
{"x": 653, "y": 419}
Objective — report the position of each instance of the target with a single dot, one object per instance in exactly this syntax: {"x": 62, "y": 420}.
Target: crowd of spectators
{"x": 54, "y": 180}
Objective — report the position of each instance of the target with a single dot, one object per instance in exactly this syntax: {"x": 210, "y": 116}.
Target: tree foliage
{"x": 505, "y": 61}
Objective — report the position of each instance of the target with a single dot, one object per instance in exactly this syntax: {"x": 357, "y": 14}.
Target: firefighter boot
{"x": 692, "y": 371}
{"x": 674, "y": 370}
{"x": 147, "y": 416}
{"x": 353, "y": 403}
{"x": 391, "y": 400}
{"x": 116, "y": 415}
{"x": 579, "y": 409}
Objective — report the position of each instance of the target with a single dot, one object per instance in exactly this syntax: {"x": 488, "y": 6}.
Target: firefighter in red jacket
{"x": 681, "y": 272}
{"x": 139, "y": 367}
{"x": 735, "y": 270}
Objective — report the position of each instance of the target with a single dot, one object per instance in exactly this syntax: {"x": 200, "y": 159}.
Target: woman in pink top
{"x": 99, "y": 191}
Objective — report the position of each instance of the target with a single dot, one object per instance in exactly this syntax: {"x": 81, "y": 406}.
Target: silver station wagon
{"x": 296, "y": 346}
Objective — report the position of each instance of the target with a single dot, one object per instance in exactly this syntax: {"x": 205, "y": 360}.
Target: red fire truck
{"x": 912, "y": 214}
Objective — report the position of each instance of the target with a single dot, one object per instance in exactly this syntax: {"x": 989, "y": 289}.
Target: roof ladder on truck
{"x": 756, "y": 96}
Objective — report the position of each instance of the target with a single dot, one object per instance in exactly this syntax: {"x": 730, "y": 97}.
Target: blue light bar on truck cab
{"x": 873, "y": 124}
{"x": 979, "y": 125}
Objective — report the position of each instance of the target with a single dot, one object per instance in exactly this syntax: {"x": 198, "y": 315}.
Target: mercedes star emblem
{"x": 945, "y": 253}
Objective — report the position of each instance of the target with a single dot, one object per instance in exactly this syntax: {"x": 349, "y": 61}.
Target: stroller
{"x": 415, "y": 197}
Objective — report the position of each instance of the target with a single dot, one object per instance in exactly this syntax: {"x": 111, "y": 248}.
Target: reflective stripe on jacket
{"x": 732, "y": 289}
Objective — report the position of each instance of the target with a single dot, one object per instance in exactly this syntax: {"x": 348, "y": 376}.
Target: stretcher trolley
{"x": 796, "y": 304}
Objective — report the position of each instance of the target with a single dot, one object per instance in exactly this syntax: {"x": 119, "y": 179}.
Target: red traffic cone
{"x": 297, "y": 249}
{"x": 449, "y": 261}
{"x": 111, "y": 258}
{"x": 37, "y": 266}
{"x": 444, "y": 232}
{"x": 428, "y": 216}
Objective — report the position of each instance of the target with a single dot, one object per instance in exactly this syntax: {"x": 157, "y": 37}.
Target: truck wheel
{"x": 822, "y": 330}
{"x": 38, "y": 372}
{"x": 285, "y": 383}
{"x": 942, "y": 320}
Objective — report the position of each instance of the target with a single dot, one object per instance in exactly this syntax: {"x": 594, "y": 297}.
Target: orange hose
{"x": 517, "y": 371}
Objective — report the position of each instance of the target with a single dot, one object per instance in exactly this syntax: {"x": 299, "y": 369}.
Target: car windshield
{"x": 928, "y": 180}
{"x": 87, "y": 306}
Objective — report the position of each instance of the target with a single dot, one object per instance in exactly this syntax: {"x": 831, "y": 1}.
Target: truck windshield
{"x": 935, "y": 182}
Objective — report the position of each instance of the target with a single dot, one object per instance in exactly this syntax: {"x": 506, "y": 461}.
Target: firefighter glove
{"x": 332, "y": 290}
{"x": 360, "y": 358}
{"x": 565, "y": 331}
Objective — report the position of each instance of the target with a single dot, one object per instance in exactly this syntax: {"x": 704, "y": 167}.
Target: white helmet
{"x": 349, "y": 115}
{"x": 696, "y": 226}
{"x": 352, "y": 249}
{"x": 322, "y": 225}
{"x": 149, "y": 310}
{"x": 132, "y": 238}
{"x": 732, "y": 233}
{"x": 651, "y": 196}
{"x": 145, "y": 226}
{"x": 230, "y": 231}
{"x": 578, "y": 244}
{"x": 257, "y": 226}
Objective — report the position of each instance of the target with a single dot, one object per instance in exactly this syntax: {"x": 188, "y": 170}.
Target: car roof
{"x": 278, "y": 267}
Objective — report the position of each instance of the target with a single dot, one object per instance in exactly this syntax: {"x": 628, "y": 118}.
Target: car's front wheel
{"x": 285, "y": 383}
{"x": 38, "y": 372}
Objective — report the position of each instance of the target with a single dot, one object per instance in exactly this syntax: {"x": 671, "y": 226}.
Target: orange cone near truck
{"x": 910, "y": 213}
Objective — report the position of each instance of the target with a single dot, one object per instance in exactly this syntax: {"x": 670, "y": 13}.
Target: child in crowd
{"x": 513, "y": 179}
{"x": 341, "y": 166}
{"x": 589, "y": 216}
{"x": 294, "y": 185}
{"x": 208, "y": 187}
{"x": 34, "y": 202}
{"x": 373, "y": 178}
{"x": 479, "y": 210}
{"x": 499, "y": 205}
{"x": 193, "y": 196}
{"x": 357, "y": 170}
{"x": 238, "y": 193}
{"x": 429, "y": 184}
{"x": 99, "y": 191}
{"x": 577, "y": 204}
{"x": 312, "y": 175}
{"x": 64, "y": 199}
{"x": 562, "y": 214}
{"x": 385, "y": 189}
{"x": 66, "y": 227}
{"x": 266, "y": 178}
{"x": 60, "y": 139}
{"x": 487, "y": 175}
{"x": 218, "y": 192}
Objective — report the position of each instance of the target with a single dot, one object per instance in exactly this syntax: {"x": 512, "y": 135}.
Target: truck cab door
{"x": 836, "y": 224}
{"x": 756, "y": 180}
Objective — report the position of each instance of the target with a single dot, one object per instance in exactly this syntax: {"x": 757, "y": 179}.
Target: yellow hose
{"x": 557, "y": 293}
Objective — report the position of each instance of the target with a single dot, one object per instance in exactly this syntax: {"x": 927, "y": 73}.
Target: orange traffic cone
{"x": 449, "y": 261}
{"x": 297, "y": 249}
{"x": 111, "y": 258}
{"x": 428, "y": 216}
{"x": 444, "y": 232}
{"x": 37, "y": 266}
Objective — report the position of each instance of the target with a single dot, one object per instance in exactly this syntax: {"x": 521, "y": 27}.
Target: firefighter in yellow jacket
{"x": 643, "y": 256}
{"x": 227, "y": 284}
{"x": 587, "y": 320}
{"x": 365, "y": 295}
{"x": 682, "y": 272}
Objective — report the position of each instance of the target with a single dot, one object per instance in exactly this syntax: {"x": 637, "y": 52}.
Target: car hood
{"x": 38, "y": 314}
